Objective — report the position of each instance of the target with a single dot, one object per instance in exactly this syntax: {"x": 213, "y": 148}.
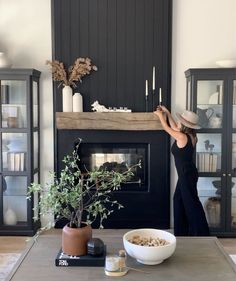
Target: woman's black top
{"x": 184, "y": 157}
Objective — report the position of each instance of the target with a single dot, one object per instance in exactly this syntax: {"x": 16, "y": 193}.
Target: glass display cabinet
{"x": 212, "y": 94}
{"x": 19, "y": 150}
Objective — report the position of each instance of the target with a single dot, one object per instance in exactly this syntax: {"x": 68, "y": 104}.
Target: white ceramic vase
{"x": 77, "y": 102}
{"x": 67, "y": 94}
{"x": 4, "y": 61}
{"x": 9, "y": 217}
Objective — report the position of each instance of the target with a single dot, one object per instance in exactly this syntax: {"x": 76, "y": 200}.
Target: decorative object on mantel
{"x": 153, "y": 87}
{"x": 4, "y": 61}
{"x": 76, "y": 196}
{"x": 77, "y": 102}
{"x": 160, "y": 96}
{"x": 155, "y": 98}
{"x": 146, "y": 96}
{"x": 67, "y": 99}
{"x": 101, "y": 108}
{"x": 69, "y": 78}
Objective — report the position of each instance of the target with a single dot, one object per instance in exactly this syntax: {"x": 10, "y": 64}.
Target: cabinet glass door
{"x": 233, "y": 186}
{"x": 209, "y": 192}
{"x": 35, "y": 104}
{"x": 234, "y": 104}
{"x": 208, "y": 153}
{"x": 209, "y": 103}
{"x": 13, "y": 99}
{"x": 208, "y": 162}
{"x": 14, "y": 152}
{"x": 233, "y": 203}
{"x": 14, "y": 200}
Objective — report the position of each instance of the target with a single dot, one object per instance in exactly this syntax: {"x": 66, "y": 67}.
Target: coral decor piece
{"x": 80, "y": 68}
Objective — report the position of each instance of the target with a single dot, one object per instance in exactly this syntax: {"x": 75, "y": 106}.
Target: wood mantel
{"x": 135, "y": 121}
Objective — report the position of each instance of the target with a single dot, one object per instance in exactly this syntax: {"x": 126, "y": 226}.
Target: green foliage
{"x": 75, "y": 195}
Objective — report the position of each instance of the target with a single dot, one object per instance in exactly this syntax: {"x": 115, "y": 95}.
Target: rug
{"x": 7, "y": 262}
{"x": 233, "y": 257}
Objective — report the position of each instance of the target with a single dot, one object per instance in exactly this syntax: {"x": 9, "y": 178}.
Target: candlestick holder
{"x": 153, "y": 100}
{"x": 146, "y": 104}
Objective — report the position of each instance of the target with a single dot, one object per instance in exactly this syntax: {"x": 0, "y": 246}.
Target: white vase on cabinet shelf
{"x": 9, "y": 217}
{"x": 67, "y": 94}
{"x": 77, "y": 102}
{"x": 4, "y": 61}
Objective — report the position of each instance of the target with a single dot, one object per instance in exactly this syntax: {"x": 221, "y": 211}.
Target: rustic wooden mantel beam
{"x": 134, "y": 121}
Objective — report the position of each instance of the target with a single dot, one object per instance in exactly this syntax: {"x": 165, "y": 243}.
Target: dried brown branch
{"x": 80, "y": 68}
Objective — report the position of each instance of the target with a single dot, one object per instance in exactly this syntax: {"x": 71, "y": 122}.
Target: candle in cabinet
{"x": 153, "y": 78}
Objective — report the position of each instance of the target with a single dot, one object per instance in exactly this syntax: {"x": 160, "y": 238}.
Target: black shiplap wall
{"x": 124, "y": 38}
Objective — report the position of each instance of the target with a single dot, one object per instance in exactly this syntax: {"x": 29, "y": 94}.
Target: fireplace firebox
{"x": 117, "y": 157}
{"x": 145, "y": 196}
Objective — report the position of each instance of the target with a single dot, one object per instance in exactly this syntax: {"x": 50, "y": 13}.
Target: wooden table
{"x": 195, "y": 258}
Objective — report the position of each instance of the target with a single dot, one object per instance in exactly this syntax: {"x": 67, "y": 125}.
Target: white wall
{"x": 25, "y": 35}
{"x": 203, "y": 32}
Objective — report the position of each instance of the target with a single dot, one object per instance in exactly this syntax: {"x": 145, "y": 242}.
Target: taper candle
{"x": 160, "y": 96}
{"x": 153, "y": 78}
{"x": 146, "y": 92}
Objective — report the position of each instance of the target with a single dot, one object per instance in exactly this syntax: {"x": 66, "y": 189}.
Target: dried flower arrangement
{"x": 80, "y": 68}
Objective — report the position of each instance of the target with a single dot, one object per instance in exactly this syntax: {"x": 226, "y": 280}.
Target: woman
{"x": 189, "y": 216}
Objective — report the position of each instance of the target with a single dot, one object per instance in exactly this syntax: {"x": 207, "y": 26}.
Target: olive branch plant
{"x": 80, "y": 197}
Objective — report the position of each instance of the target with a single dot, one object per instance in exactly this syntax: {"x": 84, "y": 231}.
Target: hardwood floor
{"x": 17, "y": 244}
{"x": 12, "y": 244}
{"x": 229, "y": 245}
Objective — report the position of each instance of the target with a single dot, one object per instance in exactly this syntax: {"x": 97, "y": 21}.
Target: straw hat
{"x": 188, "y": 119}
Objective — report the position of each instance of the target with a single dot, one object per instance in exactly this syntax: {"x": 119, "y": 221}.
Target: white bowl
{"x": 226, "y": 63}
{"x": 149, "y": 255}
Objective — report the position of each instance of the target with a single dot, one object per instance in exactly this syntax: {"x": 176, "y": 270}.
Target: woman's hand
{"x": 163, "y": 108}
{"x": 158, "y": 111}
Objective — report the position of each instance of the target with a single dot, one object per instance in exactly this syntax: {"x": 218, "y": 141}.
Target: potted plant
{"x": 81, "y": 198}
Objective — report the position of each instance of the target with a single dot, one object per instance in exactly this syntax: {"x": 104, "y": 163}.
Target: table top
{"x": 195, "y": 258}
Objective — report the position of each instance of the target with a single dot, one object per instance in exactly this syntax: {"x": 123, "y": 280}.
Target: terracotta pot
{"x": 74, "y": 240}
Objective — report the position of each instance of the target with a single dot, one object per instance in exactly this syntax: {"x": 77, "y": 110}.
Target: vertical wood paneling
{"x": 102, "y": 51}
{"x": 124, "y": 39}
{"x": 121, "y": 53}
{"x": 66, "y": 32}
{"x": 140, "y": 63}
{"x": 83, "y": 30}
{"x": 93, "y": 53}
{"x": 148, "y": 48}
{"x": 83, "y": 27}
{"x": 111, "y": 54}
{"x": 130, "y": 52}
{"x": 75, "y": 32}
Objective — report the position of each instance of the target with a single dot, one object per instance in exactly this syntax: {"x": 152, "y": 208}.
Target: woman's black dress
{"x": 189, "y": 216}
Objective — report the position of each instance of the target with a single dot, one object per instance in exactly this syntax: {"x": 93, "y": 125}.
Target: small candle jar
{"x": 112, "y": 263}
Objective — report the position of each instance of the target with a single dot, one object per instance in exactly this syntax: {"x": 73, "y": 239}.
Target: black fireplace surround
{"x": 146, "y": 197}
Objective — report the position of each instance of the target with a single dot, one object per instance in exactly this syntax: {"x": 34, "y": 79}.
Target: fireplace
{"x": 117, "y": 157}
{"x": 145, "y": 197}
